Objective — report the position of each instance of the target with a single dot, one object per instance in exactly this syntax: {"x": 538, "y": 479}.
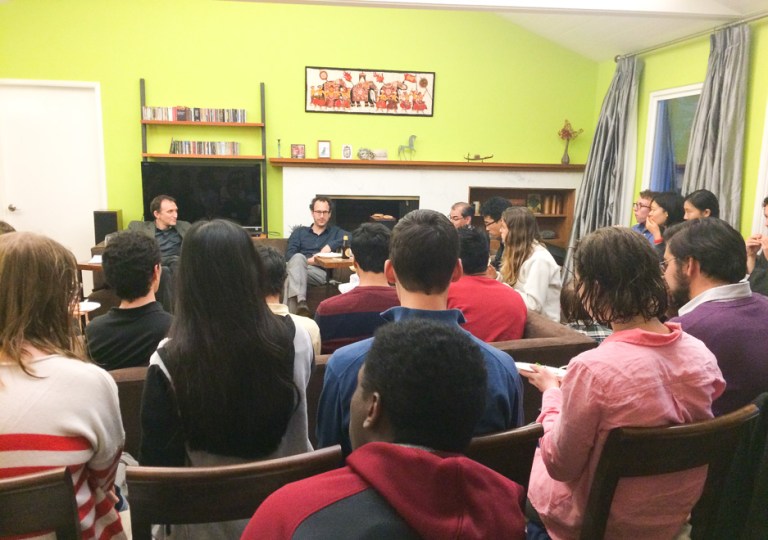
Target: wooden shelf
{"x": 199, "y": 156}
{"x": 216, "y": 124}
{"x": 384, "y": 163}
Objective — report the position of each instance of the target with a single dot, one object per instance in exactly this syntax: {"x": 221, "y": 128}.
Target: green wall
{"x": 499, "y": 89}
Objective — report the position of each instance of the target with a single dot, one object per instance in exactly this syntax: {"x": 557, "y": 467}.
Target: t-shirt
{"x": 501, "y": 319}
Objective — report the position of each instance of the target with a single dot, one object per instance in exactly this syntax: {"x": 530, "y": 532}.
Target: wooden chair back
{"x": 509, "y": 453}
{"x": 39, "y": 502}
{"x": 176, "y": 495}
{"x": 130, "y": 385}
{"x": 633, "y": 452}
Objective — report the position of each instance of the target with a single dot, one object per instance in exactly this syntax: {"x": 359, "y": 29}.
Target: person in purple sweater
{"x": 704, "y": 266}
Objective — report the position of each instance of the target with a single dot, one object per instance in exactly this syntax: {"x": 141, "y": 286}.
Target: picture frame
{"x": 298, "y": 151}
{"x": 323, "y": 149}
{"x": 369, "y": 91}
{"x": 346, "y": 151}
{"x": 534, "y": 203}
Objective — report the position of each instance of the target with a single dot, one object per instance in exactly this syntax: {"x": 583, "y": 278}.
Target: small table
{"x": 330, "y": 263}
{"x": 88, "y": 266}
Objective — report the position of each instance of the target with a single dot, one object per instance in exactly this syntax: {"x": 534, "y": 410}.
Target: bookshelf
{"x": 159, "y": 123}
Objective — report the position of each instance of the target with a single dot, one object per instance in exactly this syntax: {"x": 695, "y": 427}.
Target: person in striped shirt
{"x": 56, "y": 409}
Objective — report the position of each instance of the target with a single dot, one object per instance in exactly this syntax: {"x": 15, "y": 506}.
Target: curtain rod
{"x": 751, "y": 18}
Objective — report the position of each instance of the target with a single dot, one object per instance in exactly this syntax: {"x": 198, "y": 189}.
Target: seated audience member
{"x": 55, "y": 408}
{"x": 491, "y": 211}
{"x": 641, "y": 208}
{"x": 127, "y": 335}
{"x": 757, "y": 258}
{"x": 461, "y": 214}
{"x": 527, "y": 265}
{"x": 169, "y": 234}
{"x": 577, "y": 318}
{"x": 704, "y": 265}
{"x": 6, "y": 227}
{"x": 423, "y": 260}
{"x": 229, "y": 385}
{"x": 405, "y": 478}
{"x": 493, "y": 311}
{"x": 700, "y": 204}
{"x": 666, "y": 210}
{"x": 645, "y": 374}
{"x": 354, "y": 316}
{"x": 303, "y": 244}
{"x": 275, "y": 274}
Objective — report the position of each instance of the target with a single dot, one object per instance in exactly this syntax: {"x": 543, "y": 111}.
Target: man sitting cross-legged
{"x": 494, "y": 311}
{"x": 419, "y": 396}
{"x": 423, "y": 260}
{"x": 705, "y": 263}
{"x": 127, "y": 335}
{"x": 275, "y": 274}
{"x": 354, "y": 316}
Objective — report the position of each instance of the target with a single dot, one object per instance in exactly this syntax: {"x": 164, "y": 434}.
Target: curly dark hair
{"x": 617, "y": 276}
{"x": 494, "y": 207}
{"x": 432, "y": 382}
{"x": 129, "y": 261}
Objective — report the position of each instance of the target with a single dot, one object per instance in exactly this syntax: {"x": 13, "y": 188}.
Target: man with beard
{"x": 704, "y": 266}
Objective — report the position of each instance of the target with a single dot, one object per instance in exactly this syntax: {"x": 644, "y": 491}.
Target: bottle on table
{"x": 345, "y": 251}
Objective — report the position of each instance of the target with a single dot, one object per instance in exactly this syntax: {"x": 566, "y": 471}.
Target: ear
{"x": 389, "y": 272}
{"x": 373, "y": 411}
{"x": 706, "y": 213}
{"x": 157, "y": 271}
{"x": 691, "y": 268}
{"x": 458, "y": 271}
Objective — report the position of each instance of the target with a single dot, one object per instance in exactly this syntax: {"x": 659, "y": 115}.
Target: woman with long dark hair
{"x": 700, "y": 204}
{"x": 228, "y": 385}
{"x": 666, "y": 210}
{"x": 646, "y": 373}
{"x": 526, "y": 265}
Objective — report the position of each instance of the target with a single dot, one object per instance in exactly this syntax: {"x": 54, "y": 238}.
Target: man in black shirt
{"x": 127, "y": 335}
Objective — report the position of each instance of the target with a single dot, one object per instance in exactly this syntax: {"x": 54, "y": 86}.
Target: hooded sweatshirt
{"x": 393, "y": 491}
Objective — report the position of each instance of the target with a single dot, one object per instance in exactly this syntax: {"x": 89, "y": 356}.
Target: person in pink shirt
{"x": 645, "y": 374}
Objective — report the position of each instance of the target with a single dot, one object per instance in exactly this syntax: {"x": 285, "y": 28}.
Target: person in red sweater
{"x": 419, "y": 395}
{"x": 493, "y": 310}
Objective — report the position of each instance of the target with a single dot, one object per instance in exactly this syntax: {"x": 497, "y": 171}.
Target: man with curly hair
{"x": 127, "y": 335}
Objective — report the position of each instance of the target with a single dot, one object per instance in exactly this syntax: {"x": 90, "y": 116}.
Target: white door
{"x": 52, "y": 159}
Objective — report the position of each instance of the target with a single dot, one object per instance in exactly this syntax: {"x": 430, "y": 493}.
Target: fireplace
{"x": 350, "y": 211}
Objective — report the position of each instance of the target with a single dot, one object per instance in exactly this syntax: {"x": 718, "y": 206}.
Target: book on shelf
{"x": 205, "y": 148}
{"x": 193, "y": 114}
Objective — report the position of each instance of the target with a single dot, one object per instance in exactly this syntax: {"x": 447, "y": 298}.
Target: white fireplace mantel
{"x": 437, "y": 184}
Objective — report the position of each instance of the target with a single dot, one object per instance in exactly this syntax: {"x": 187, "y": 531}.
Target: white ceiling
{"x": 596, "y": 29}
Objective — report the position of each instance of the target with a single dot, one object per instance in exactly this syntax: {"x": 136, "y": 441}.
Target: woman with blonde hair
{"x": 527, "y": 266}
{"x": 55, "y": 408}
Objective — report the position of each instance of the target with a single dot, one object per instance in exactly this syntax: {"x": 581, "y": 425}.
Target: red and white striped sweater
{"x": 66, "y": 415}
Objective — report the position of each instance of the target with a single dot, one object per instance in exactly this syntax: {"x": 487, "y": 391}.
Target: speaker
{"x": 105, "y": 222}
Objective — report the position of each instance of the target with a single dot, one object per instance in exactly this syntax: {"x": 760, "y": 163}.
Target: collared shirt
{"x": 304, "y": 240}
{"x": 169, "y": 242}
{"x": 722, "y": 293}
{"x": 640, "y": 227}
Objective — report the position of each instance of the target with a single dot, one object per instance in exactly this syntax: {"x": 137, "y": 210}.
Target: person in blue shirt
{"x": 303, "y": 244}
{"x": 641, "y": 209}
{"x": 423, "y": 261}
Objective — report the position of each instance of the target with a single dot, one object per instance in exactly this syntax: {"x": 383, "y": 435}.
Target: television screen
{"x": 203, "y": 191}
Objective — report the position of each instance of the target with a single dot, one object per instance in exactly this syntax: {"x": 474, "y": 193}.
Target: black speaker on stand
{"x": 105, "y": 222}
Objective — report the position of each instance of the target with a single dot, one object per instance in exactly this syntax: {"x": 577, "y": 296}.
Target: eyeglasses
{"x": 638, "y": 205}
{"x": 665, "y": 263}
{"x": 490, "y": 221}
{"x": 321, "y": 212}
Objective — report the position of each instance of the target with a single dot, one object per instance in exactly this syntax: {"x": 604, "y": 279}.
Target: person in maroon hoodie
{"x": 419, "y": 395}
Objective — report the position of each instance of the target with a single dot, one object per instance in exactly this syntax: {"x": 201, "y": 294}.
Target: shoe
{"x": 302, "y": 309}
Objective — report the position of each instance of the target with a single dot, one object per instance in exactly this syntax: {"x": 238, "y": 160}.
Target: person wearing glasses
{"x": 641, "y": 209}
{"x": 303, "y": 244}
{"x": 461, "y": 214}
{"x": 491, "y": 211}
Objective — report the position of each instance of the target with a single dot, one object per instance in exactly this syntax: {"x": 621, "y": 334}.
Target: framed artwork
{"x": 534, "y": 203}
{"x": 346, "y": 151}
{"x": 368, "y": 91}
{"x": 324, "y": 149}
{"x": 297, "y": 151}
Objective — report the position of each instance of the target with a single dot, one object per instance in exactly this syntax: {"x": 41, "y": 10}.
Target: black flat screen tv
{"x": 205, "y": 191}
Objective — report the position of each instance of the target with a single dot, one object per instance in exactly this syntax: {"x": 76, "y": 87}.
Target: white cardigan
{"x": 538, "y": 282}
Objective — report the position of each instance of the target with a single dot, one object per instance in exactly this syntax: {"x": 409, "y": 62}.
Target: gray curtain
{"x": 602, "y": 184}
{"x": 716, "y": 148}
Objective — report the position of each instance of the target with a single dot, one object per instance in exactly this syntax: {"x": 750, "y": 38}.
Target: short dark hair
{"x": 647, "y": 194}
{"x": 157, "y": 202}
{"x": 370, "y": 246}
{"x": 718, "y": 247}
{"x": 703, "y": 199}
{"x": 6, "y": 227}
{"x": 128, "y": 262}
{"x": 424, "y": 250}
{"x": 432, "y": 382}
{"x": 494, "y": 207}
{"x": 321, "y": 198}
{"x": 275, "y": 269}
{"x": 474, "y": 250}
{"x": 467, "y": 210}
{"x": 617, "y": 276}
{"x": 672, "y": 203}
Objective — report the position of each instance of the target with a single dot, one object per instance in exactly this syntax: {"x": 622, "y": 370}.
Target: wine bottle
{"x": 345, "y": 251}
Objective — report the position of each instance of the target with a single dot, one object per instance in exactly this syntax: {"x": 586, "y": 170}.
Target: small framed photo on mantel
{"x": 346, "y": 151}
{"x": 324, "y": 149}
{"x": 297, "y": 151}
